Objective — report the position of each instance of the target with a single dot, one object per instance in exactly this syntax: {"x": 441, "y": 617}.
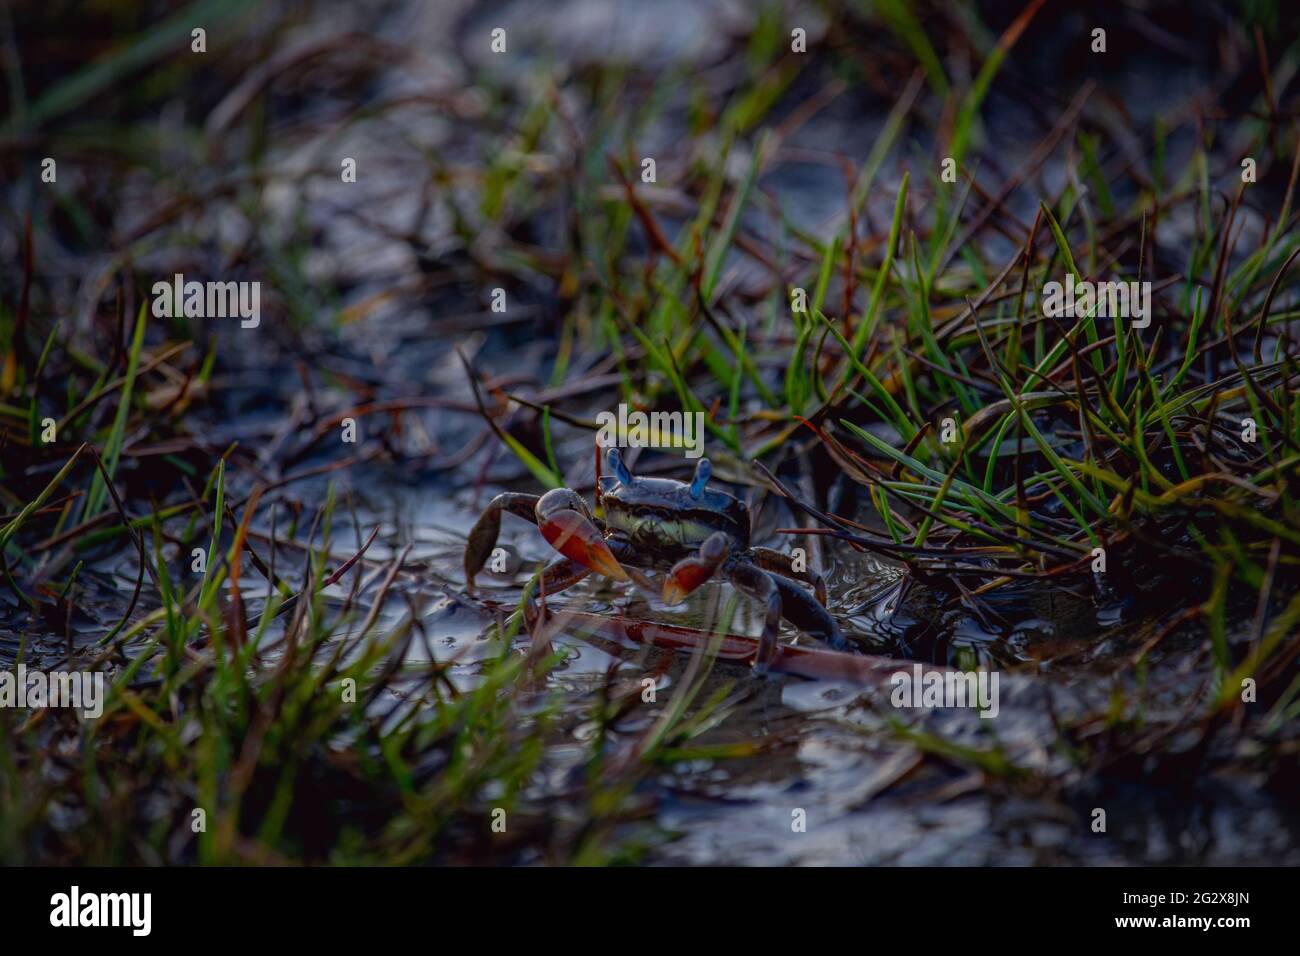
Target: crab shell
{"x": 664, "y": 515}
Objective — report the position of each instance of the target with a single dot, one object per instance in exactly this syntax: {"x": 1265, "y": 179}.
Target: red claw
{"x": 689, "y": 573}
{"x": 575, "y": 537}
{"x": 685, "y": 577}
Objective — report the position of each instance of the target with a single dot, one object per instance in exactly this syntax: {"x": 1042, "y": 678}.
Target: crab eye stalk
{"x": 616, "y": 465}
{"x": 703, "y": 471}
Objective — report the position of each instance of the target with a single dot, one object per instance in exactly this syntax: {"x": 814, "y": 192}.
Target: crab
{"x": 688, "y": 530}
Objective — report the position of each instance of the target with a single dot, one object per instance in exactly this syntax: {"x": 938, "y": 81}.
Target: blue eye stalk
{"x": 703, "y": 471}
{"x": 616, "y": 465}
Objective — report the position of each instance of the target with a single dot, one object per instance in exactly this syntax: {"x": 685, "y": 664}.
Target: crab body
{"x": 661, "y": 515}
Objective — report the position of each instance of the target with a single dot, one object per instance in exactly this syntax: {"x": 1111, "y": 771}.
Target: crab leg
{"x": 784, "y": 599}
{"x": 564, "y": 573}
{"x": 483, "y": 536}
{"x": 565, "y": 522}
{"x": 759, "y": 585}
{"x": 770, "y": 560}
{"x": 810, "y": 616}
{"x": 560, "y": 574}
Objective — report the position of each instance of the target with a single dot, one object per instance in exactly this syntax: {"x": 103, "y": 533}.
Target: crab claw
{"x": 686, "y": 576}
{"x": 563, "y": 519}
{"x": 689, "y": 573}
{"x": 575, "y": 537}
